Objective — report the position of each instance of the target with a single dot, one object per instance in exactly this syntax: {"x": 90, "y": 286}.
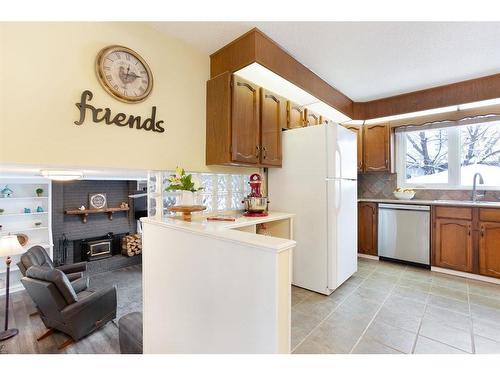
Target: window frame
{"x": 454, "y": 161}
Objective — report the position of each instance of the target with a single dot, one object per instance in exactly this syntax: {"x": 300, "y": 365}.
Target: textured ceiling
{"x": 368, "y": 60}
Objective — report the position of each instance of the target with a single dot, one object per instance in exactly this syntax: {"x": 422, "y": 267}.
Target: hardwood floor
{"x": 102, "y": 341}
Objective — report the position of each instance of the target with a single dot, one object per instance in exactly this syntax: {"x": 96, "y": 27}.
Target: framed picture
{"x": 98, "y": 200}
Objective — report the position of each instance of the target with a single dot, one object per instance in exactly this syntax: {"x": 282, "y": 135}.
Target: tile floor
{"x": 394, "y": 309}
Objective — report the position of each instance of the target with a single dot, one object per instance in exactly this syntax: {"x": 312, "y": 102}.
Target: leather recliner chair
{"x": 63, "y": 309}
{"x": 37, "y": 256}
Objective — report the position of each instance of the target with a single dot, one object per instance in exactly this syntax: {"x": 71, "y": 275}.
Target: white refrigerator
{"x": 318, "y": 183}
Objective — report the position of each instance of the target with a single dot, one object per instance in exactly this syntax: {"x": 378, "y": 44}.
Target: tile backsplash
{"x": 381, "y": 186}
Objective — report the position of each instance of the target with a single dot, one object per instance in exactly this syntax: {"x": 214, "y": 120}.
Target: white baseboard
{"x": 466, "y": 275}
{"x": 373, "y": 257}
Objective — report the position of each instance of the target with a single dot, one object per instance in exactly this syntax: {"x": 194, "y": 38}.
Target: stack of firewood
{"x": 131, "y": 245}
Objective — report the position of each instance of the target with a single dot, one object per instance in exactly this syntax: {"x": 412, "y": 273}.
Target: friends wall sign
{"x": 120, "y": 119}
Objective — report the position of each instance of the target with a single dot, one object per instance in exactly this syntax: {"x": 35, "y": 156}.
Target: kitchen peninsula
{"x": 217, "y": 286}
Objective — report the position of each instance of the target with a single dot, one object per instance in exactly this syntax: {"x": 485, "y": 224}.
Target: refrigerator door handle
{"x": 338, "y": 162}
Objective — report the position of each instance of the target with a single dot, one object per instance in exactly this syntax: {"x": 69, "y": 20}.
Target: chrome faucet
{"x": 475, "y": 195}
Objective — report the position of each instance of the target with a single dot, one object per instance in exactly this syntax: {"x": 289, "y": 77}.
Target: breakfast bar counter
{"x": 217, "y": 286}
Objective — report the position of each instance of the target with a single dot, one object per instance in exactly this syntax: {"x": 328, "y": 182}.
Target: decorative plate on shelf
{"x": 98, "y": 200}
{"x": 22, "y": 238}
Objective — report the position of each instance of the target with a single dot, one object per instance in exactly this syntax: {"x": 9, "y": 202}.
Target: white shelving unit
{"x": 14, "y": 221}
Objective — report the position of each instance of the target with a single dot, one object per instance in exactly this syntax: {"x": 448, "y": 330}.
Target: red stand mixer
{"x": 255, "y": 203}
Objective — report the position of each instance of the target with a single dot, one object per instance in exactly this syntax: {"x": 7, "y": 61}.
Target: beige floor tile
{"x": 428, "y": 346}
{"x": 399, "y": 319}
{"x": 436, "y": 330}
{"x": 486, "y": 329}
{"x": 449, "y": 292}
{"x": 373, "y": 294}
{"x": 393, "y": 337}
{"x": 302, "y": 325}
{"x": 318, "y": 306}
{"x": 485, "y": 313}
{"x": 486, "y": 346}
{"x": 449, "y": 318}
{"x": 450, "y": 281}
{"x": 408, "y": 292}
{"x": 332, "y": 338}
{"x": 368, "y": 346}
{"x": 405, "y": 305}
{"x": 484, "y": 289}
{"x": 423, "y": 286}
{"x": 449, "y": 303}
{"x": 484, "y": 301}
{"x": 421, "y": 276}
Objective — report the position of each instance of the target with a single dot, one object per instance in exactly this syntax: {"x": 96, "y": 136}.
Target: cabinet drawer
{"x": 489, "y": 214}
{"x": 464, "y": 213}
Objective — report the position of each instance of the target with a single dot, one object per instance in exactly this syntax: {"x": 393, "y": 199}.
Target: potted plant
{"x": 186, "y": 183}
{"x": 39, "y": 192}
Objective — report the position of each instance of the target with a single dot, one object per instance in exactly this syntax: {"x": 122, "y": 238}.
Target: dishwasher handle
{"x": 406, "y": 207}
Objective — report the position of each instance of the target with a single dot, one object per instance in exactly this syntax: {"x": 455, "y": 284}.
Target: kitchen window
{"x": 447, "y": 155}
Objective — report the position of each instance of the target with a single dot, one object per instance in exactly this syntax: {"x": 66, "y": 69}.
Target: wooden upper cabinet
{"x": 311, "y": 118}
{"x": 376, "y": 149}
{"x": 358, "y": 129}
{"x": 453, "y": 246}
{"x": 489, "y": 249}
{"x": 367, "y": 228}
{"x": 296, "y": 115}
{"x": 245, "y": 121}
{"x": 272, "y": 120}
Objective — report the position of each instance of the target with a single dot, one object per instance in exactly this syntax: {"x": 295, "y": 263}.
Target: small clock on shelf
{"x": 124, "y": 74}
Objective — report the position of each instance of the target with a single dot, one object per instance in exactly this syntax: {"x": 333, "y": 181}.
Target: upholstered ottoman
{"x": 130, "y": 333}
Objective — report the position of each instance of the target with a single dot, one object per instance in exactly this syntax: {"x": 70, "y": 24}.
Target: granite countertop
{"x": 436, "y": 202}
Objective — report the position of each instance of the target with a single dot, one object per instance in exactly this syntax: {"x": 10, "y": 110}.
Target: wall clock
{"x": 98, "y": 201}
{"x": 124, "y": 74}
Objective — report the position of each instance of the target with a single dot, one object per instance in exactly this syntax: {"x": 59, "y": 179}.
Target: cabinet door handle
{"x": 386, "y": 163}
{"x": 469, "y": 231}
{"x": 257, "y": 151}
{"x": 482, "y": 230}
{"x": 246, "y": 85}
{"x": 264, "y": 154}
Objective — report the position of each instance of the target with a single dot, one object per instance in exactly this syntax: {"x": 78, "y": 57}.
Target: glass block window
{"x": 221, "y": 192}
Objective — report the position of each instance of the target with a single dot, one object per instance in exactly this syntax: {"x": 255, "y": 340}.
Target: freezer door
{"x": 341, "y": 152}
{"x": 342, "y": 230}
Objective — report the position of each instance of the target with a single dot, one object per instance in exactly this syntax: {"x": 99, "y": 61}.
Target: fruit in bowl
{"x": 407, "y": 194}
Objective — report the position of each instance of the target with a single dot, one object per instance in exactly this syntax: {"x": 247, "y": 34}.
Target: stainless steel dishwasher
{"x": 404, "y": 233}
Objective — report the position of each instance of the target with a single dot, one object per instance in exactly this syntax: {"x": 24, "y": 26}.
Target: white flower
{"x": 196, "y": 183}
{"x": 179, "y": 172}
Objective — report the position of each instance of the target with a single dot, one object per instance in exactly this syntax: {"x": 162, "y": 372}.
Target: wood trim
{"x": 469, "y": 91}
{"x": 255, "y": 46}
{"x": 447, "y": 116}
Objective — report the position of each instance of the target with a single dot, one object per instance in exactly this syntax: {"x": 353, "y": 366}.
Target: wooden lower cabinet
{"x": 367, "y": 228}
{"x": 489, "y": 249}
{"x": 453, "y": 246}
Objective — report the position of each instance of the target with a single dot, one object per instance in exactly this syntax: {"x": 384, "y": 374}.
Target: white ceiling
{"x": 368, "y": 60}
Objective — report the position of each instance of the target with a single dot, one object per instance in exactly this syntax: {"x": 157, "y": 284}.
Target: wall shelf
{"x": 19, "y": 198}
{"x": 23, "y": 214}
{"x": 85, "y": 213}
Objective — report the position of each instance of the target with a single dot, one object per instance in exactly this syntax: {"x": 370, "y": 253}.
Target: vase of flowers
{"x": 186, "y": 184}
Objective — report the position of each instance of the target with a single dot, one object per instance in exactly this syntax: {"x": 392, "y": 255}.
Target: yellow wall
{"x": 44, "y": 67}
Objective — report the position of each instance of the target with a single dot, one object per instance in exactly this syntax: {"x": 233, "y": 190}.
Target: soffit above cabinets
{"x": 368, "y": 60}
{"x": 263, "y": 77}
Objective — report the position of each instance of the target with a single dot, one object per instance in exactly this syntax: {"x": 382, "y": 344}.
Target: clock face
{"x": 97, "y": 201}
{"x": 124, "y": 74}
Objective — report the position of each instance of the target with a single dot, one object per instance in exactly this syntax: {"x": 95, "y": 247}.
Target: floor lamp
{"x": 9, "y": 245}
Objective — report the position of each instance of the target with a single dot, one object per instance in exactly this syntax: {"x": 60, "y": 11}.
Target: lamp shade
{"x": 9, "y": 245}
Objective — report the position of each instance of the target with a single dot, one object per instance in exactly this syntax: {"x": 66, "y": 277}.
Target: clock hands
{"x": 126, "y": 76}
